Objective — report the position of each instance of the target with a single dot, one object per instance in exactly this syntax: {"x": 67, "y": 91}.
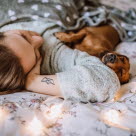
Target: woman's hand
{"x": 32, "y": 75}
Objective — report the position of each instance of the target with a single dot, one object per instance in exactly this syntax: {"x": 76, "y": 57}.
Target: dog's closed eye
{"x": 121, "y": 72}
{"x": 122, "y": 59}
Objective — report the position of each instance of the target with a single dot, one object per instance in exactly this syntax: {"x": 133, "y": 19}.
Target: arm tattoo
{"x": 48, "y": 80}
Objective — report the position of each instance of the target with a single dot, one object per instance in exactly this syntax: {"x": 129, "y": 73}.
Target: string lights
{"x": 37, "y": 127}
{"x": 3, "y": 115}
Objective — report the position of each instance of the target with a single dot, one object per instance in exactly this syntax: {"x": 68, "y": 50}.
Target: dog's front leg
{"x": 70, "y": 37}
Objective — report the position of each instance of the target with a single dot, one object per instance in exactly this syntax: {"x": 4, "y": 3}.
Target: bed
{"x": 31, "y": 114}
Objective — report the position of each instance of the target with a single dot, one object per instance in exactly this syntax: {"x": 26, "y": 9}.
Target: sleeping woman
{"x": 39, "y": 62}
{"x": 66, "y": 73}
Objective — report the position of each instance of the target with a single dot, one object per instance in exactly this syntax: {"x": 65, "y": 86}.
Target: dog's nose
{"x": 111, "y": 58}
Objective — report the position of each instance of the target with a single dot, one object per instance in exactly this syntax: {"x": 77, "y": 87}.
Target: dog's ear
{"x": 101, "y": 54}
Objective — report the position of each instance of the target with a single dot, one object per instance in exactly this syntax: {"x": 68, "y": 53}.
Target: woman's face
{"x": 25, "y": 45}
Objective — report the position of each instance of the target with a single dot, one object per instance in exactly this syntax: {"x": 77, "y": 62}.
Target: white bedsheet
{"x": 31, "y": 114}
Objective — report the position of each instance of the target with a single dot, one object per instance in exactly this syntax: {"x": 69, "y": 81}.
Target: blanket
{"x": 71, "y": 14}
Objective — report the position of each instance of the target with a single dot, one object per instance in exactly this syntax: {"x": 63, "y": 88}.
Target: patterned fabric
{"x": 30, "y": 114}
{"x": 70, "y": 14}
{"x": 120, "y": 4}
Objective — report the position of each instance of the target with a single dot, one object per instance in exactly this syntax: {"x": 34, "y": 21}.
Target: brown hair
{"x": 12, "y": 75}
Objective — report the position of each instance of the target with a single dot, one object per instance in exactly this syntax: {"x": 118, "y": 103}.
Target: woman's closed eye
{"x": 26, "y": 38}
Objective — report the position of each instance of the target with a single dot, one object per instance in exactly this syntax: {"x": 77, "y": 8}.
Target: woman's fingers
{"x": 28, "y": 35}
{"x": 34, "y": 33}
{"x": 36, "y": 69}
{"x": 33, "y": 74}
{"x": 37, "y": 54}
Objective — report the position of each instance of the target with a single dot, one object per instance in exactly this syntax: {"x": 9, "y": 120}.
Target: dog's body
{"x": 99, "y": 42}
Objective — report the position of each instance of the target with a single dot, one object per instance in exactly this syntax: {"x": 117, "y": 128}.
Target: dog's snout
{"x": 110, "y": 58}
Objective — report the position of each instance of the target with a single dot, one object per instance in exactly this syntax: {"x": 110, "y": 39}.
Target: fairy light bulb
{"x": 35, "y": 127}
{"x": 3, "y": 115}
{"x": 111, "y": 116}
{"x": 55, "y": 111}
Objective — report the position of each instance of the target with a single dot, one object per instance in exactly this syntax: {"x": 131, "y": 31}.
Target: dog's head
{"x": 119, "y": 63}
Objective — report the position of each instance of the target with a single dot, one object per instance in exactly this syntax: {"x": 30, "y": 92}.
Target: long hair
{"x": 12, "y": 75}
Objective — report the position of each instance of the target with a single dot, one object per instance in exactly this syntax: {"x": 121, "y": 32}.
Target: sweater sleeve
{"x": 88, "y": 79}
{"x": 82, "y": 77}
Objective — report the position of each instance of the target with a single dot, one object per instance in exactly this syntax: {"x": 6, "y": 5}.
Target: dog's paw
{"x": 59, "y": 35}
{"x": 54, "y": 34}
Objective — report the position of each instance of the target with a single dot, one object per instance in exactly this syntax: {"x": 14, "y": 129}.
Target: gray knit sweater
{"x": 82, "y": 77}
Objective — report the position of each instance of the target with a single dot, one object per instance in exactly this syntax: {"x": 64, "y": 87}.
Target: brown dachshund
{"x": 100, "y": 42}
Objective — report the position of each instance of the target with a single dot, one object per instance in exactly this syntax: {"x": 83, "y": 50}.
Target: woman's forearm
{"x": 45, "y": 84}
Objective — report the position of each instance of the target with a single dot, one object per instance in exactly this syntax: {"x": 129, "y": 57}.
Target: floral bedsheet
{"x": 32, "y": 114}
